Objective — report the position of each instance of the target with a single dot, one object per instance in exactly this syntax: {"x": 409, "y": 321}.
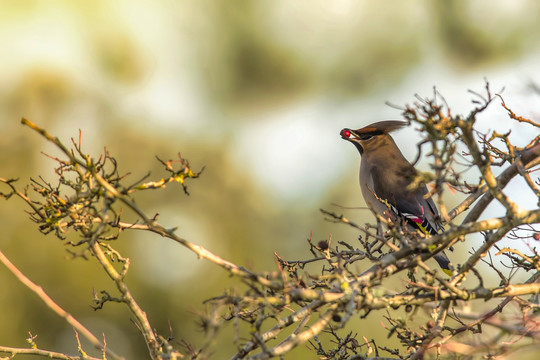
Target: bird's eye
{"x": 366, "y": 137}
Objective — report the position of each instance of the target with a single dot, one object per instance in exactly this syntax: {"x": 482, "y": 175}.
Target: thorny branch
{"x": 313, "y": 300}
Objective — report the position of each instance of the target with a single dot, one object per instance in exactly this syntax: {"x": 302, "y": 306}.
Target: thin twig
{"x": 38, "y": 290}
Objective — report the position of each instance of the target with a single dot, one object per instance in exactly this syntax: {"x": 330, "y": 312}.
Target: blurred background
{"x": 256, "y": 91}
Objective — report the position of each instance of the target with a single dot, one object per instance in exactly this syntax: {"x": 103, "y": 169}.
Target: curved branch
{"x": 127, "y": 298}
{"x": 38, "y": 290}
{"x": 39, "y": 352}
{"x": 152, "y": 225}
{"x": 530, "y": 157}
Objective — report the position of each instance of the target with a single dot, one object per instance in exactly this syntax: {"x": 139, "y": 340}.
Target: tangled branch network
{"x": 322, "y": 301}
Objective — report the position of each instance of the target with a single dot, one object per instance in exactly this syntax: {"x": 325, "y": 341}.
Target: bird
{"x": 385, "y": 179}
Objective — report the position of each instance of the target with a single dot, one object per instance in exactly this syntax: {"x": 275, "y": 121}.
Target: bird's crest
{"x": 382, "y": 127}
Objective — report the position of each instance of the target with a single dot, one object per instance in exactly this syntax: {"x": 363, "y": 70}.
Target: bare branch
{"x": 55, "y": 307}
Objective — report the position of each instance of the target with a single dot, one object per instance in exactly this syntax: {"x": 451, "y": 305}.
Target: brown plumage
{"x": 385, "y": 176}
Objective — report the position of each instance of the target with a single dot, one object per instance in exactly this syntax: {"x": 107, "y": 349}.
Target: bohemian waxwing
{"x": 385, "y": 176}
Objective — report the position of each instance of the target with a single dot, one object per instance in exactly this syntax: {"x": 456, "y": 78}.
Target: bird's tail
{"x": 444, "y": 263}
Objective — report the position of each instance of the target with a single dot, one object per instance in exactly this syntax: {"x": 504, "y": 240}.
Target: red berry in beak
{"x": 345, "y": 134}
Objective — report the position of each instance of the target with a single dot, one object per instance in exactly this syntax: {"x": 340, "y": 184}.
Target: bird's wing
{"x": 412, "y": 206}
{"x": 417, "y": 211}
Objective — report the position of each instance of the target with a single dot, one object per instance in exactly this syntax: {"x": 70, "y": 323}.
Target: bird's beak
{"x": 352, "y": 137}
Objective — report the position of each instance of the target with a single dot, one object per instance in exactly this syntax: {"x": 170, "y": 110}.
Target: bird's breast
{"x": 371, "y": 198}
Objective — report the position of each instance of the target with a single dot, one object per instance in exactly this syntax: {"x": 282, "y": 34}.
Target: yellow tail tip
{"x": 448, "y": 272}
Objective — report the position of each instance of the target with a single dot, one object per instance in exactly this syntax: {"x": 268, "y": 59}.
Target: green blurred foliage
{"x": 473, "y": 36}
{"x": 237, "y": 58}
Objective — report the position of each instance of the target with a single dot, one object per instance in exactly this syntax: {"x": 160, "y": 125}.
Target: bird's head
{"x": 372, "y": 136}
